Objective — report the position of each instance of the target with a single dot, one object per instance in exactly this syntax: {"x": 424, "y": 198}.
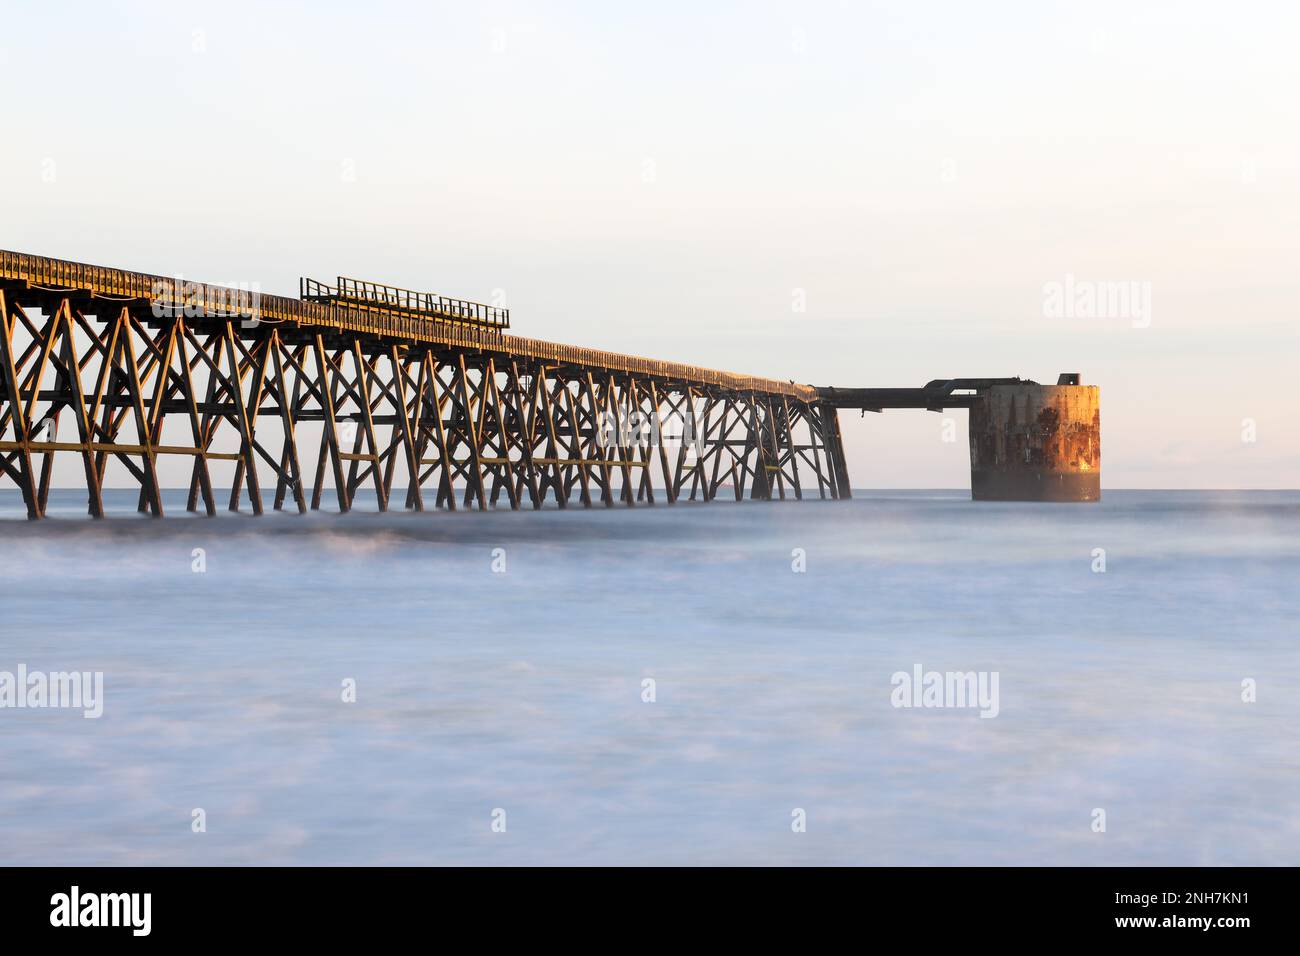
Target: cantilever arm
{"x": 937, "y": 395}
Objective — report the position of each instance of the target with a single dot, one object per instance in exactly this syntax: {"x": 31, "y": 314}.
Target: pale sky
{"x": 671, "y": 179}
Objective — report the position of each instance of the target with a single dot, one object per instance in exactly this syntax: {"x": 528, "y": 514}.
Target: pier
{"x": 358, "y": 390}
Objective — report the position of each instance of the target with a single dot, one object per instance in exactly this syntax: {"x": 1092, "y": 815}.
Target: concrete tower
{"x": 1031, "y": 442}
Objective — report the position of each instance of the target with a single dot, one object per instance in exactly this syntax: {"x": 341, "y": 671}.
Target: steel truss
{"x": 313, "y": 409}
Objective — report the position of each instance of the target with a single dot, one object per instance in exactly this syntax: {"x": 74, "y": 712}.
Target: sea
{"x": 723, "y": 683}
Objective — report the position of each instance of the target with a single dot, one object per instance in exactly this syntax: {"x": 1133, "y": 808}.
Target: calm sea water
{"x": 523, "y": 691}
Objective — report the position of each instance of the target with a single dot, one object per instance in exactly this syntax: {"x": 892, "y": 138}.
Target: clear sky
{"x": 678, "y": 179}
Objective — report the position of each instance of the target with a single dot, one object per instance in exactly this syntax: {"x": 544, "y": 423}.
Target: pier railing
{"x": 367, "y": 296}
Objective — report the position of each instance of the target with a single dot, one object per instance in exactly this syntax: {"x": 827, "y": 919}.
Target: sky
{"x": 850, "y": 194}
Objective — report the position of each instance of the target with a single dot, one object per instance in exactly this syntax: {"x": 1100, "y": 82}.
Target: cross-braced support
{"x": 355, "y": 418}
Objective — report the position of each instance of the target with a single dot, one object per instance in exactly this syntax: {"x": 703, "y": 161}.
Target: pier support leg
{"x": 17, "y": 462}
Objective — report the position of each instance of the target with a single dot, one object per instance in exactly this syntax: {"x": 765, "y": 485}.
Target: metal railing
{"x": 373, "y": 296}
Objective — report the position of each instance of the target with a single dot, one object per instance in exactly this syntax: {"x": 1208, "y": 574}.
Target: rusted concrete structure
{"x": 1031, "y": 442}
